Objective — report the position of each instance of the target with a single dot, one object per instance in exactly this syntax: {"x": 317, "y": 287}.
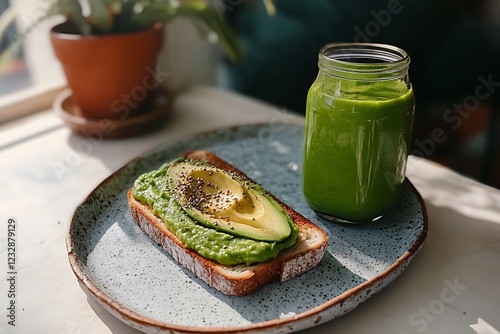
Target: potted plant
{"x": 110, "y": 52}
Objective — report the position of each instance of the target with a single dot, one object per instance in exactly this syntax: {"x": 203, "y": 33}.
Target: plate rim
{"x": 125, "y": 314}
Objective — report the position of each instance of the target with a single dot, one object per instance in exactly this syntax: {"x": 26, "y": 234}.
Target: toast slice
{"x": 237, "y": 280}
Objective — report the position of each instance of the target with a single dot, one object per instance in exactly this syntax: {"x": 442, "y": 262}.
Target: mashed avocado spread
{"x": 215, "y": 213}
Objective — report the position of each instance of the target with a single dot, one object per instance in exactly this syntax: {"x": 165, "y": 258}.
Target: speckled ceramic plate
{"x": 137, "y": 281}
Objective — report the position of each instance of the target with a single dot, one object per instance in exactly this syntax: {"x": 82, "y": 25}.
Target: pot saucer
{"x": 112, "y": 128}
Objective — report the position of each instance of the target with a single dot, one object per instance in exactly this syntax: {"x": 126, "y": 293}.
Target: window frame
{"x": 28, "y": 101}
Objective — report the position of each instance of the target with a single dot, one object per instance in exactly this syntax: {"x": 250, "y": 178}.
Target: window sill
{"x": 28, "y": 101}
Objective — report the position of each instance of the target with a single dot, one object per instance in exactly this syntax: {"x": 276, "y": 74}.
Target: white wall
{"x": 187, "y": 57}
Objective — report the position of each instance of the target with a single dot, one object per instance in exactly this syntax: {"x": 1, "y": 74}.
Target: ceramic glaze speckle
{"x": 128, "y": 267}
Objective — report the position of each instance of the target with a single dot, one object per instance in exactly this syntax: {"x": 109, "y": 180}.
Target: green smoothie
{"x": 356, "y": 144}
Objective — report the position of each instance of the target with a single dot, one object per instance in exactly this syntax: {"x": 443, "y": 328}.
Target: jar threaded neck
{"x": 364, "y": 61}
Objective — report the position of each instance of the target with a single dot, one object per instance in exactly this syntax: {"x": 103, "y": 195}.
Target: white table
{"x": 452, "y": 281}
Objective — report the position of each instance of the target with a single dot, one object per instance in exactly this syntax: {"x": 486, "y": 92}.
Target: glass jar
{"x": 359, "y": 118}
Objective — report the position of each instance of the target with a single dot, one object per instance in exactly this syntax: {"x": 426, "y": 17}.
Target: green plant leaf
{"x": 270, "y": 7}
{"x": 120, "y": 16}
{"x": 146, "y": 13}
{"x": 68, "y": 8}
{"x": 72, "y": 10}
{"x": 213, "y": 23}
{"x": 101, "y": 16}
{"x": 206, "y": 19}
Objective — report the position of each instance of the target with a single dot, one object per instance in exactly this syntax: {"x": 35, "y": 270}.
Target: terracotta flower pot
{"x": 111, "y": 76}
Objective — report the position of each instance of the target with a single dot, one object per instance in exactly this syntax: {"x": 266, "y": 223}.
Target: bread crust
{"x": 239, "y": 280}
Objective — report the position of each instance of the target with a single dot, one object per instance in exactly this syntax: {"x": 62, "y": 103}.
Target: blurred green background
{"x": 454, "y": 47}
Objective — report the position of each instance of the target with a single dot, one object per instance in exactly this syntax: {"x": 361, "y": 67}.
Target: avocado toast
{"x": 222, "y": 226}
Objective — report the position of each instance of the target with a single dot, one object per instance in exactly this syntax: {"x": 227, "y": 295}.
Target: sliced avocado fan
{"x": 220, "y": 200}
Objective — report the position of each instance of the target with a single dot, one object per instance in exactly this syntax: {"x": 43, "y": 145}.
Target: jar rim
{"x": 364, "y": 61}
